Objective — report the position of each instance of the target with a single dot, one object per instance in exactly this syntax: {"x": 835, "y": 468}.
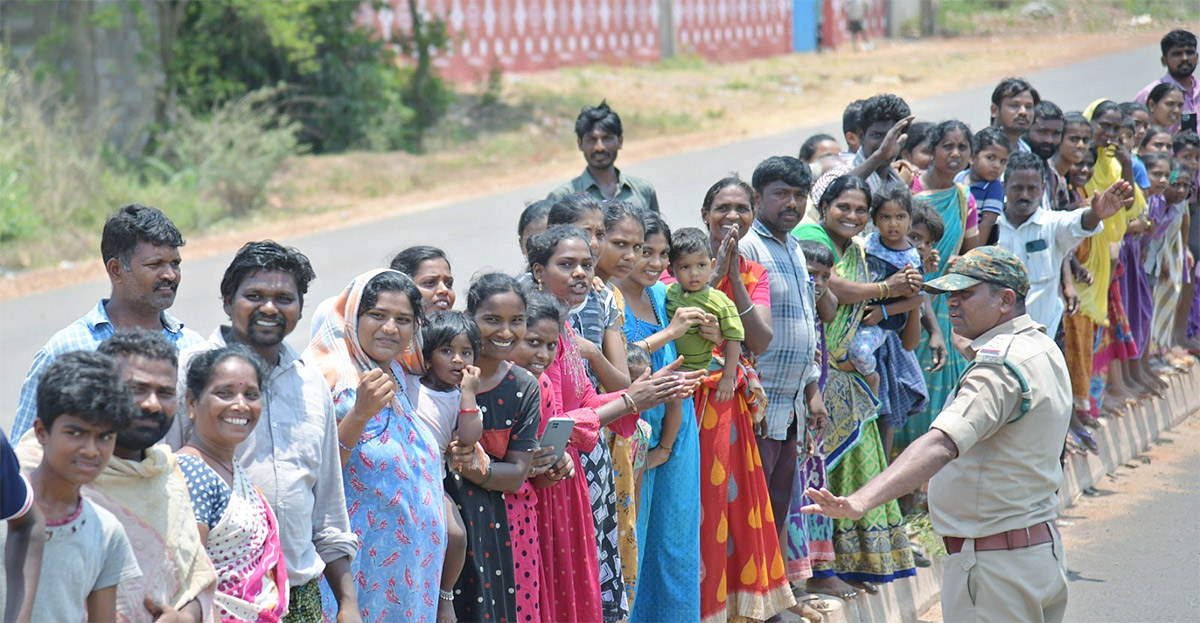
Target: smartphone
{"x": 1188, "y": 121}
{"x": 558, "y": 431}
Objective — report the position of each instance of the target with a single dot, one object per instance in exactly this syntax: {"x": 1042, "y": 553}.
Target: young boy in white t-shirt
{"x": 82, "y": 403}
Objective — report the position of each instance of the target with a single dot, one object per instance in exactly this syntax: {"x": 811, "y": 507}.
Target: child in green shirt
{"x": 692, "y": 267}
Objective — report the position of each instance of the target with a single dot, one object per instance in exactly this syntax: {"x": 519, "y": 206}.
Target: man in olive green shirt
{"x": 991, "y": 455}
{"x": 600, "y": 137}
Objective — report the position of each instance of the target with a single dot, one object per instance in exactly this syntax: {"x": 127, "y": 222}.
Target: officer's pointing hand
{"x": 833, "y": 506}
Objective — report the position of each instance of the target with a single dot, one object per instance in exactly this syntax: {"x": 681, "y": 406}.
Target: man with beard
{"x": 144, "y": 488}
{"x": 1043, "y": 138}
{"x": 1179, "y": 57}
{"x": 1012, "y": 110}
{"x": 600, "y": 136}
{"x": 140, "y": 248}
{"x": 1043, "y": 238}
{"x": 292, "y": 455}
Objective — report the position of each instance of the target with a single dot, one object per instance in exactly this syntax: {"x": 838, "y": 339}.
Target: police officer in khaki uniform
{"x": 992, "y": 454}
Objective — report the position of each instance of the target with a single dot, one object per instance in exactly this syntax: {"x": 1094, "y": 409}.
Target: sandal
{"x": 845, "y": 595}
{"x": 1085, "y": 438}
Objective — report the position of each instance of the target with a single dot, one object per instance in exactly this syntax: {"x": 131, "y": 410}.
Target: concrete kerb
{"x": 1120, "y": 440}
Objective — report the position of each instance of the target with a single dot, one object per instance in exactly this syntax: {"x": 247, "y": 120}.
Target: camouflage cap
{"x": 983, "y": 264}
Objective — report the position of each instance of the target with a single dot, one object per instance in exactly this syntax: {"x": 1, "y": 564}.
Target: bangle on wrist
{"x": 344, "y": 446}
{"x": 630, "y": 403}
{"x": 445, "y": 595}
{"x": 747, "y": 310}
{"x": 667, "y": 448}
{"x": 487, "y": 477}
{"x": 883, "y": 308}
{"x": 465, "y": 411}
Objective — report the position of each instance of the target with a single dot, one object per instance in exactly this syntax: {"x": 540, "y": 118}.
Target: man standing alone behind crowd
{"x": 600, "y": 136}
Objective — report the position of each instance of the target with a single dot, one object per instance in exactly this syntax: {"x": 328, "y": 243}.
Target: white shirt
{"x": 1042, "y": 242}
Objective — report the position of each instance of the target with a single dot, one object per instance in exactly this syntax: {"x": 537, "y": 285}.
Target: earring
{"x": 540, "y": 284}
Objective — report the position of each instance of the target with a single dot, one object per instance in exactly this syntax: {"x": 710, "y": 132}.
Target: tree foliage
{"x": 342, "y": 85}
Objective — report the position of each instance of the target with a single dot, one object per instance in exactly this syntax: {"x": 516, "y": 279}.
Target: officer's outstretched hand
{"x": 833, "y": 506}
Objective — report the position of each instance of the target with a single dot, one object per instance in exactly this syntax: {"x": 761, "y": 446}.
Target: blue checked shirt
{"x": 789, "y": 364}
{"x": 83, "y": 334}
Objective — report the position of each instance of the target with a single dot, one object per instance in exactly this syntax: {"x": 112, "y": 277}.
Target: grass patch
{"x": 59, "y": 179}
{"x": 996, "y": 17}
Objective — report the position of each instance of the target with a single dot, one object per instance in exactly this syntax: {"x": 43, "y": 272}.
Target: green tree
{"x": 342, "y": 85}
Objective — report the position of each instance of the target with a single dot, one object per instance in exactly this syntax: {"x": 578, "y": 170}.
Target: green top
{"x": 697, "y": 351}
{"x": 635, "y": 190}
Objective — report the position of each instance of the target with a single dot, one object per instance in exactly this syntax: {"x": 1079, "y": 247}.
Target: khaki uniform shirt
{"x": 636, "y": 191}
{"x": 1007, "y": 473}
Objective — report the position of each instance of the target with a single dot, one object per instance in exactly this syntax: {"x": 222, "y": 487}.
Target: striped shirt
{"x": 789, "y": 363}
{"x": 84, "y": 334}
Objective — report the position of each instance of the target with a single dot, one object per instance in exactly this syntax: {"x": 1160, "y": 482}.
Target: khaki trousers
{"x": 1028, "y": 584}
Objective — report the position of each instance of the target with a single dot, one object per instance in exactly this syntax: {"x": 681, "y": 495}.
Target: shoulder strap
{"x": 994, "y": 354}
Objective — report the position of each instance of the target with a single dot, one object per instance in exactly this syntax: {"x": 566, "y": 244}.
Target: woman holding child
{"x": 668, "y": 526}
{"x": 391, "y": 461}
{"x": 874, "y": 548}
{"x": 736, "y": 530}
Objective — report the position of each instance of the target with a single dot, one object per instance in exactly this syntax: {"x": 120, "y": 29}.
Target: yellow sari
{"x": 1093, "y": 299}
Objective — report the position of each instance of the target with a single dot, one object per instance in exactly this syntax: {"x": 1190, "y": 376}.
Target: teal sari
{"x": 952, "y": 205}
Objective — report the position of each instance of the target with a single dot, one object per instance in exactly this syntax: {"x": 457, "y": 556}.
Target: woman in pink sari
{"x": 237, "y": 526}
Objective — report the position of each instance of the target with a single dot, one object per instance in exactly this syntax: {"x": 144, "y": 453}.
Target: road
{"x": 1133, "y": 550}
{"x": 480, "y": 233}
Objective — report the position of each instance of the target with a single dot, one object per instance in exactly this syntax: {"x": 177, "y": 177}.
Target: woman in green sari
{"x": 875, "y": 548}
{"x": 953, "y": 201}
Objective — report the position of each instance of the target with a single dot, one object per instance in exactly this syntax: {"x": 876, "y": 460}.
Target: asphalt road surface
{"x": 481, "y": 233}
{"x": 1133, "y": 551}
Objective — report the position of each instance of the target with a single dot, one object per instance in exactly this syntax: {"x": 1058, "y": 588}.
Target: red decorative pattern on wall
{"x": 729, "y": 30}
{"x": 532, "y": 35}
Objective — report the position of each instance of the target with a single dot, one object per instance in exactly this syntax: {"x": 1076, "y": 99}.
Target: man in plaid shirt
{"x": 140, "y": 248}
{"x": 788, "y": 367}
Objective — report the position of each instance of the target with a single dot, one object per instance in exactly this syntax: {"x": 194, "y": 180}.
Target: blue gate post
{"x": 804, "y": 25}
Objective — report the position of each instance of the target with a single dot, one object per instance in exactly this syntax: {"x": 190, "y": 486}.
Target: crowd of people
{"x": 628, "y": 427}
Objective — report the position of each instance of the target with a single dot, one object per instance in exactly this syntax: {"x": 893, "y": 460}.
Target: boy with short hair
{"x": 691, "y": 266}
{"x": 82, "y": 404}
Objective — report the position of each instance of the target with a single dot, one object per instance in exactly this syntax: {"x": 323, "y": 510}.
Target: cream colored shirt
{"x": 1007, "y": 473}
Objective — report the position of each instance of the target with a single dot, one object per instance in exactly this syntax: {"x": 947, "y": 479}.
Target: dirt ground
{"x": 723, "y": 103}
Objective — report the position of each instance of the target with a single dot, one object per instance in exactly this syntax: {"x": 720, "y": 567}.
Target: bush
{"x": 231, "y": 155}
{"x": 58, "y": 180}
{"x": 343, "y": 86}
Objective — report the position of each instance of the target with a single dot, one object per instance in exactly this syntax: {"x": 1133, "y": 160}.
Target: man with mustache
{"x": 292, "y": 455}
{"x": 140, "y": 248}
{"x": 142, "y": 485}
{"x": 1179, "y": 57}
{"x": 1012, "y": 110}
{"x": 992, "y": 455}
{"x": 600, "y": 136}
{"x": 1043, "y": 238}
{"x": 788, "y": 366}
